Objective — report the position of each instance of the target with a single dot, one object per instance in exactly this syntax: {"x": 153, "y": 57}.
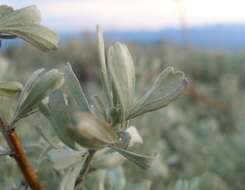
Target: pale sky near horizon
{"x": 77, "y": 15}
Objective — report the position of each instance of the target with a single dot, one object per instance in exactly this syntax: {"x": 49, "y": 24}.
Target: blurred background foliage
{"x": 200, "y": 137}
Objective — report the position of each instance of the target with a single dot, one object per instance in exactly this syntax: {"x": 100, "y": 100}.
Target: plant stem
{"x": 20, "y": 156}
{"x": 86, "y": 167}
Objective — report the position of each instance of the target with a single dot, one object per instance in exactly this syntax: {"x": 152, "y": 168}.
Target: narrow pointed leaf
{"x": 75, "y": 89}
{"x": 166, "y": 88}
{"x": 104, "y": 72}
{"x": 142, "y": 161}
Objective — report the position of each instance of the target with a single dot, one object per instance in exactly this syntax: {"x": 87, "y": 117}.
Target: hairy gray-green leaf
{"x": 41, "y": 87}
{"x": 122, "y": 70}
{"x": 25, "y": 23}
{"x": 25, "y": 15}
{"x": 10, "y": 88}
{"x": 68, "y": 182}
{"x": 167, "y": 87}
{"x": 140, "y": 160}
{"x": 75, "y": 89}
{"x": 57, "y": 112}
{"x": 103, "y": 66}
{"x": 27, "y": 88}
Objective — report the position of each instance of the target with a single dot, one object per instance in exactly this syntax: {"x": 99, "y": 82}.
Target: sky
{"x": 84, "y": 15}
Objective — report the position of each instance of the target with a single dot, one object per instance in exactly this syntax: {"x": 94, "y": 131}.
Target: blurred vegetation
{"x": 200, "y": 138}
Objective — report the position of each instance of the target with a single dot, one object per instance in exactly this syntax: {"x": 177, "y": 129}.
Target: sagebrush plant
{"x": 91, "y": 134}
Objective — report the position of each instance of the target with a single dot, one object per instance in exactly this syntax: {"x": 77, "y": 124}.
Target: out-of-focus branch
{"x": 18, "y": 153}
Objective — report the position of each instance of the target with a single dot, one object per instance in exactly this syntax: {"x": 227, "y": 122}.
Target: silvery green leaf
{"x": 37, "y": 35}
{"x": 26, "y": 15}
{"x": 68, "y": 182}
{"x": 44, "y": 85}
{"x": 10, "y": 88}
{"x": 104, "y": 72}
{"x": 75, "y": 89}
{"x": 64, "y": 158}
{"x": 91, "y": 132}
{"x": 121, "y": 68}
{"x": 58, "y": 114}
{"x": 142, "y": 161}
{"x": 27, "y": 88}
{"x": 168, "y": 86}
{"x": 25, "y": 23}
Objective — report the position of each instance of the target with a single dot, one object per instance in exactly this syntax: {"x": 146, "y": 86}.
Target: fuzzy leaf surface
{"x": 167, "y": 87}
{"x": 121, "y": 68}
{"x": 39, "y": 86}
{"x": 25, "y": 23}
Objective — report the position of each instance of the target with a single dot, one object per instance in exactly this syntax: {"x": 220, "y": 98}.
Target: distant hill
{"x": 220, "y": 36}
{"x": 216, "y": 36}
